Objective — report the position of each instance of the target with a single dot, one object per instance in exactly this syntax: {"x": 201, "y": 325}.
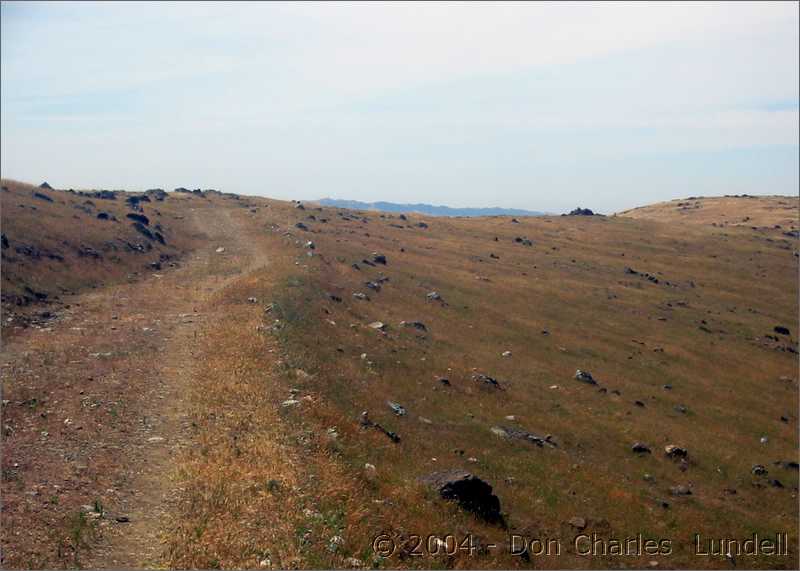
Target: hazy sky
{"x": 530, "y": 105}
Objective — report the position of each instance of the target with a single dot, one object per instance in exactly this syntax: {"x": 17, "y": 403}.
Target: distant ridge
{"x": 428, "y": 209}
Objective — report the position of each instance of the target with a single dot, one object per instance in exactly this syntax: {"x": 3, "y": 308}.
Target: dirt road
{"x": 98, "y": 394}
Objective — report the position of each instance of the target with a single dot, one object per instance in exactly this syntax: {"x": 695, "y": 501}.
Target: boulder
{"x": 781, "y": 330}
{"x": 45, "y": 186}
{"x": 378, "y": 258}
{"x": 581, "y": 212}
{"x": 472, "y": 493}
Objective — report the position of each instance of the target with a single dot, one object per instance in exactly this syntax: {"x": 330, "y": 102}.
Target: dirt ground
{"x": 97, "y": 413}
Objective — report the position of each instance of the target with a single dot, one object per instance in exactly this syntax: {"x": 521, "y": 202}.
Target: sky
{"x": 544, "y": 106}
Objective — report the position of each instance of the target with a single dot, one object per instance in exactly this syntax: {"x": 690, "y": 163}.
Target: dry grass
{"x": 267, "y": 485}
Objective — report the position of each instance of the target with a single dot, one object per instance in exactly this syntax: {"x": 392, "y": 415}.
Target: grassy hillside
{"x": 676, "y": 322}
{"x": 689, "y": 330}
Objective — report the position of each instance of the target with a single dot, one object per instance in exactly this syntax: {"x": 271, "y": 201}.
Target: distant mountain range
{"x": 428, "y": 209}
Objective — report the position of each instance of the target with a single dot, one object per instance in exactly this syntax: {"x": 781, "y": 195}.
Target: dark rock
{"x": 41, "y": 196}
{"x": 157, "y": 193}
{"x": 334, "y": 297}
{"x": 4, "y": 241}
{"x": 486, "y": 380}
{"x": 775, "y": 483}
{"x": 781, "y": 330}
{"x": 471, "y": 493}
{"x": 585, "y": 377}
{"x": 415, "y": 324}
{"x": 444, "y": 381}
{"x": 641, "y": 448}
{"x": 581, "y": 212}
{"x": 759, "y": 470}
{"x": 421, "y": 225}
{"x": 675, "y": 451}
{"x": 301, "y": 226}
{"x": 378, "y": 258}
{"x": 182, "y": 190}
{"x": 680, "y": 491}
{"x": 46, "y": 186}
{"x": 138, "y": 218}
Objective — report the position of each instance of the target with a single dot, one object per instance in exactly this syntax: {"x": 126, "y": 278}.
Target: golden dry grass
{"x": 267, "y": 485}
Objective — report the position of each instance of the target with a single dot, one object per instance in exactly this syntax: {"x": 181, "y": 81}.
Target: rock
{"x": 433, "y": 296}
{"x": 252, "y": 300}
{"x": 361, "y": 296}
{"x": 373, "y": 286}
{"x": 472, "y": 493}
{"x": 675, "y": 451}
{"x": 157, "y": 193}
{"x": 581, "y": 212}
{"x": 42, "y": 196}
{"x": 781, "y": 330}
{"x": 641, "y": 448}
{"x": 378, "y": 258}
{"x": 105, "y": 216}
{"x": 443, "y": 381}
{"x": 45, "y": 186}
{"x": 578, "y": 523}
{"x": 759, "y": 470}
{"x": 335, "y": 298}
{"x": 377, "y": 325}
{"x": 775, "y": 483}
{"x": 310, "y": 245}
{"x": 415, "y": 324}
{"x": 486, "y": 380}
{"x": 220, "y": 250}
{"x": 505, "y": 354}
{"x": 301, "y": 226}
{"x": 788, "y": 464}
{"x": 638, "y": 403}
{"x": 585, "y": 377}
{"x": 288, "y": 403}
{"x": 5, "y": 242}
{"x": 138, "y": 218}
{"x": 519, "y": 434}
{"x": 397, "y": 408}
{"x": 681, "y": 409}
{"x": 421, "y": 225}
{"x": 122, "y": 519}
{"x": 155, "y": 439}
{"x": 680, "y": 491}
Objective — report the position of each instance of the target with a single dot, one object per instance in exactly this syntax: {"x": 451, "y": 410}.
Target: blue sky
{"x": 543, "y": 106}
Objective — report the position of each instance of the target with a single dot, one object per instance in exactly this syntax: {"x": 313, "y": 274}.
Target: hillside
{"x": 425, "y": 209}
{"x": 225, "y": 417}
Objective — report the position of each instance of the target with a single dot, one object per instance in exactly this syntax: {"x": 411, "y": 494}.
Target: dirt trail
{"x": 127, "y": 349}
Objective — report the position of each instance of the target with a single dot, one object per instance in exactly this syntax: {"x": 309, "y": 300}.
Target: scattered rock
{"x": 675, "y": 451}
{"x": 472, "y": 493}
{"x": 397, "y": 408}
{"x": 415, "y": 324}
{"x": 680, "y": 491}
{"x": 585, "y": 377}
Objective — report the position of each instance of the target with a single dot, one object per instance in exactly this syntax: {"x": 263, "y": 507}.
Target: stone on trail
{"x": 472, "y": 493}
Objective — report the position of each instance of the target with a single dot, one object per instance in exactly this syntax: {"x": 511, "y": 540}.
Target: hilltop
{"x": 219, "y": 405}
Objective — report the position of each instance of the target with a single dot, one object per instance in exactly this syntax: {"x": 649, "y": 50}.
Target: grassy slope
{"x": 633, "y": 335}
{"x": 61, "y": 247}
